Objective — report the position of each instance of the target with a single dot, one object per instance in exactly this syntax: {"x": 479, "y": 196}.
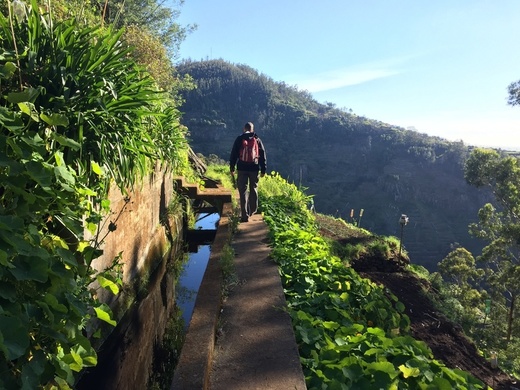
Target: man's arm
{"x": 233, "y": 157}
{"x": 262, "y": 161}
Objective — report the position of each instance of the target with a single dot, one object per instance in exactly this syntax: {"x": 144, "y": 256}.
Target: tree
{"x": 461, "y": 290}
{"x": 152, "y": 15}
{"x": 499, "y": 225}
{"x": 158, "y": 17}
{"x": 514, "y": 93}
{"x": 150, "y": 30}
{"x": 459, "y": 267}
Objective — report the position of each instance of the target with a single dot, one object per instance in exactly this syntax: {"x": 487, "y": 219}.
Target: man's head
{"x": 249, "y": 127}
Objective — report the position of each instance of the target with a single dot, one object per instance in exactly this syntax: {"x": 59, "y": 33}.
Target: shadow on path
{"x": 255, "y": 347}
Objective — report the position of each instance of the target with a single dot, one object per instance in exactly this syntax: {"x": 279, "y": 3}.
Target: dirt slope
{"x": 446, "y": 340}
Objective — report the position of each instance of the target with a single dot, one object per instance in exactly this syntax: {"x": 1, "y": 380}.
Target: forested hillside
{"x": 348, "y": 162}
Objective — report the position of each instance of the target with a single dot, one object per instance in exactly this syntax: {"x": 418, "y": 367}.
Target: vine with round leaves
{"x": 351, "y": 333}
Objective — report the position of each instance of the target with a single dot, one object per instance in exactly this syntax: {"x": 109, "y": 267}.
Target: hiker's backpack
{"x": 249, "y": 150}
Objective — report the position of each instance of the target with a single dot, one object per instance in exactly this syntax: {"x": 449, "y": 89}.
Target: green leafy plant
{"x": 351, "y": 332}
{"x": 227, "y": 263}
{"x": 354, "y": 251}
{"x": 75, "y": 114}
{"x": 220, "y": 172}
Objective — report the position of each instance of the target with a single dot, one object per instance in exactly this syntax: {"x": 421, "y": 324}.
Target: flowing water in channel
{"x": 193, "y": 270}
{"x": 143, "y": 349}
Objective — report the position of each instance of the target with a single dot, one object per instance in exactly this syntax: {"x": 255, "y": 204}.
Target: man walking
{"x": 249, "y": 158}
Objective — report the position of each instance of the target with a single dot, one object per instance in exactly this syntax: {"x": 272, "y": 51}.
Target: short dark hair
{"x": 249, "y": 126}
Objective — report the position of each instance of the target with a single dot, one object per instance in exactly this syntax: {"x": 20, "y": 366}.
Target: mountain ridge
{"x": 347, "y": 162}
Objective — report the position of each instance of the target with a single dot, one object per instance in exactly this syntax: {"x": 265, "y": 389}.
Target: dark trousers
{"x": 247, "y": 184}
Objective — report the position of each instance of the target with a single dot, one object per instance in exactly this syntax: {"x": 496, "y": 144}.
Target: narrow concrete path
{"x": 256, "y": 347}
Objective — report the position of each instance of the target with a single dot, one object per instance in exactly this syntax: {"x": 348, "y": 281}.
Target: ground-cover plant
{"x": 229, "y": 275}
{"x": 220, "y": 172}
{"x": 75, "y": 114}
{"x": 351, "y": 332}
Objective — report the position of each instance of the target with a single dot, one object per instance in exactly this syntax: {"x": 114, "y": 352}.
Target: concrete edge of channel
{"x": 195, "y": 362}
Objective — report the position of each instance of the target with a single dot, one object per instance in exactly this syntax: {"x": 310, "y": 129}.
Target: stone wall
{"x": 126, "y": 358}
{"x": 149, "y": 240}
{"x": 139, "y": 226}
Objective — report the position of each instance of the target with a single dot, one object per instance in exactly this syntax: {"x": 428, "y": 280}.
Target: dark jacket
{"x": 243, "y": 166}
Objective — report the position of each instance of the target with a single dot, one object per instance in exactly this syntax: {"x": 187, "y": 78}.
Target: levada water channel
{"x": 143, "y": 349}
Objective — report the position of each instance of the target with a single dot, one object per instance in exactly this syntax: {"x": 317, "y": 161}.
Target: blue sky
{"x": 441, "y": 67}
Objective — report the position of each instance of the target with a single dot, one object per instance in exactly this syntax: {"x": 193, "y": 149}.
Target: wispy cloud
{"x": 344, "y": 77}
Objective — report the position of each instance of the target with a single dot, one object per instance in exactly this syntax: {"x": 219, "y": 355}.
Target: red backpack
{"x": 249, "y": 151}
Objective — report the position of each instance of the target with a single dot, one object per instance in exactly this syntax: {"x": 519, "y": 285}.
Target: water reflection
{"x": 193, "y": 271}
{"x": 130, "y": 353}
{"x": 143, "y": 349}
{"x": 189, "y": 282}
